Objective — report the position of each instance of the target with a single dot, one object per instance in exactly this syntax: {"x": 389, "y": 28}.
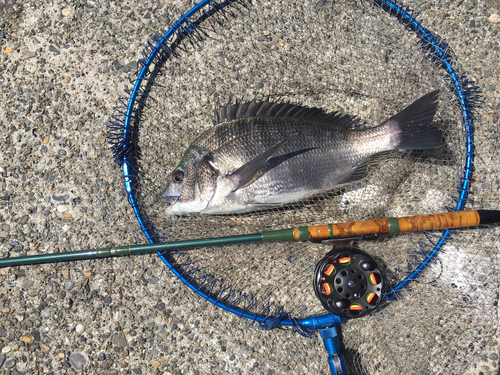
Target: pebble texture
{"x": 63, "y": 66}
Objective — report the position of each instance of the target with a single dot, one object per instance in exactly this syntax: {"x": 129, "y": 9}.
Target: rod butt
{"x": 488, "y": 216}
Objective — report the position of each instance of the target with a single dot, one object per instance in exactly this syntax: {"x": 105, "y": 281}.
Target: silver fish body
{"x": 258, "y": 160}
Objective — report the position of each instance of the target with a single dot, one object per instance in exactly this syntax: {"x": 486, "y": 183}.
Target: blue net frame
{"x": 122, "y": 133}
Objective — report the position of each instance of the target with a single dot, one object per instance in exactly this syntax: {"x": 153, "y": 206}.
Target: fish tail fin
{"x": 412, "y": 127}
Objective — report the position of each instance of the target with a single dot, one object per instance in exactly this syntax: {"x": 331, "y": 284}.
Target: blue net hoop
{"x": 122, "y": 136}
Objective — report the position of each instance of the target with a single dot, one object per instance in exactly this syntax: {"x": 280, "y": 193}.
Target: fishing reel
{"x": 348, "y": 283}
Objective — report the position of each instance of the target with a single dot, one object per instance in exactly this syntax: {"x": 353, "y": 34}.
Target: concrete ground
{"x": 63, "y": 66}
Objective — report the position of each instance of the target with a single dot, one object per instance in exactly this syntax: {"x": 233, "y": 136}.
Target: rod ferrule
{"x": 301, "y": 233}
{"x": 278, "y": 235}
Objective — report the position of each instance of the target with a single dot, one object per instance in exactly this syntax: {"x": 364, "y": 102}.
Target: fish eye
{"x": 178, "y": 176}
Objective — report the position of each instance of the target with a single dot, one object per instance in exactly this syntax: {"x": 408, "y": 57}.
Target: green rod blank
{"x": 345, "y": 230}
{"x": 127, "y": 250}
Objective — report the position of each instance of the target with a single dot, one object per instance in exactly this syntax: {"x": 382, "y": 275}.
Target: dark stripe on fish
{"x": 277, "y": 160}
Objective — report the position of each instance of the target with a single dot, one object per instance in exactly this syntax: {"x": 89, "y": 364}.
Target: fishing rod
{"x": 358, "y": 230}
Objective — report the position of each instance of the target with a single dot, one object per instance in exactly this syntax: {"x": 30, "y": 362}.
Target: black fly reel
{"x": 348, "y": 283}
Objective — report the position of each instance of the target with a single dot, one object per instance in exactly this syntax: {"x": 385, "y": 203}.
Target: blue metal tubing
{"x": 437, "y": 50}
{"x": 320, "y": 321}
{"x": 332, "y": 345}
{"x": 312, "y": 322}
{"x": 326, "y": 320}
{"x": 126, "y": 165}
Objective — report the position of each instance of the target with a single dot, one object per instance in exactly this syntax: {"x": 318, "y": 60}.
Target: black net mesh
{"x": 350, "y": 57}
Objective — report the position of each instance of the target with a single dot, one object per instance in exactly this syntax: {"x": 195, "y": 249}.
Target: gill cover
{"x": 191, "y": 185}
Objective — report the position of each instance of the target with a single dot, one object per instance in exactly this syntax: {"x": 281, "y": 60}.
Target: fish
{"x": 263, "y": 154}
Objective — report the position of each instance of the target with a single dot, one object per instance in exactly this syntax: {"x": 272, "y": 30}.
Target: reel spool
{"x": 348, "y": 283}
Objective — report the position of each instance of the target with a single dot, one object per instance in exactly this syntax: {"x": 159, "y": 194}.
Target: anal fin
{"x": 358, "y": 172}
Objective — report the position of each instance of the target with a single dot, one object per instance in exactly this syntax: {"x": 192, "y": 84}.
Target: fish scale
{"x": 323, "y": 148}
{"x": 250, "y": 162}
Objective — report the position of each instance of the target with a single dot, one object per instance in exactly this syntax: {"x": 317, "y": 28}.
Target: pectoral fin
{"x": 244, "y": 174}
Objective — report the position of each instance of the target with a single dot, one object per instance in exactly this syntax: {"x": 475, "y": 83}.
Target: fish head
{"x": 175, "y": 186}
{"x": 191, "y": 185}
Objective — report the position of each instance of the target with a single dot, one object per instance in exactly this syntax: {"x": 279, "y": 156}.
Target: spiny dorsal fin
{"x": 280, "y": 109}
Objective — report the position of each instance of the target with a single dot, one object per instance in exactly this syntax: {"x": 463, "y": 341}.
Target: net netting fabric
{"x": 351, "y": 57}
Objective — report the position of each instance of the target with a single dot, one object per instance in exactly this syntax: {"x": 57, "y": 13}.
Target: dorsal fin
{"x": 280, "y": 109}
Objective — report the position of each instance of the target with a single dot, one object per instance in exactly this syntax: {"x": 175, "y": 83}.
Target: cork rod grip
{"x": 394, "y": 225}
{"x": 355, "y": 228}
{"x": 439, "y": 221}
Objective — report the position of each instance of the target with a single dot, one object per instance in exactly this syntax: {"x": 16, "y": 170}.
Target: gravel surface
{"x": 63, "y": 66}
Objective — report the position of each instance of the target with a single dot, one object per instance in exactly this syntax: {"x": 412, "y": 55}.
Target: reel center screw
{"x": 339, "y": 304}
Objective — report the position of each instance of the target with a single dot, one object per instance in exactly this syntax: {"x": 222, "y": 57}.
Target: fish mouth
{"x": 168, "y": 199}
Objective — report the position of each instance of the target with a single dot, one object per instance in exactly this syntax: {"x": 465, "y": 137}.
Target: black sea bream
{"x": 262, "y": 155}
